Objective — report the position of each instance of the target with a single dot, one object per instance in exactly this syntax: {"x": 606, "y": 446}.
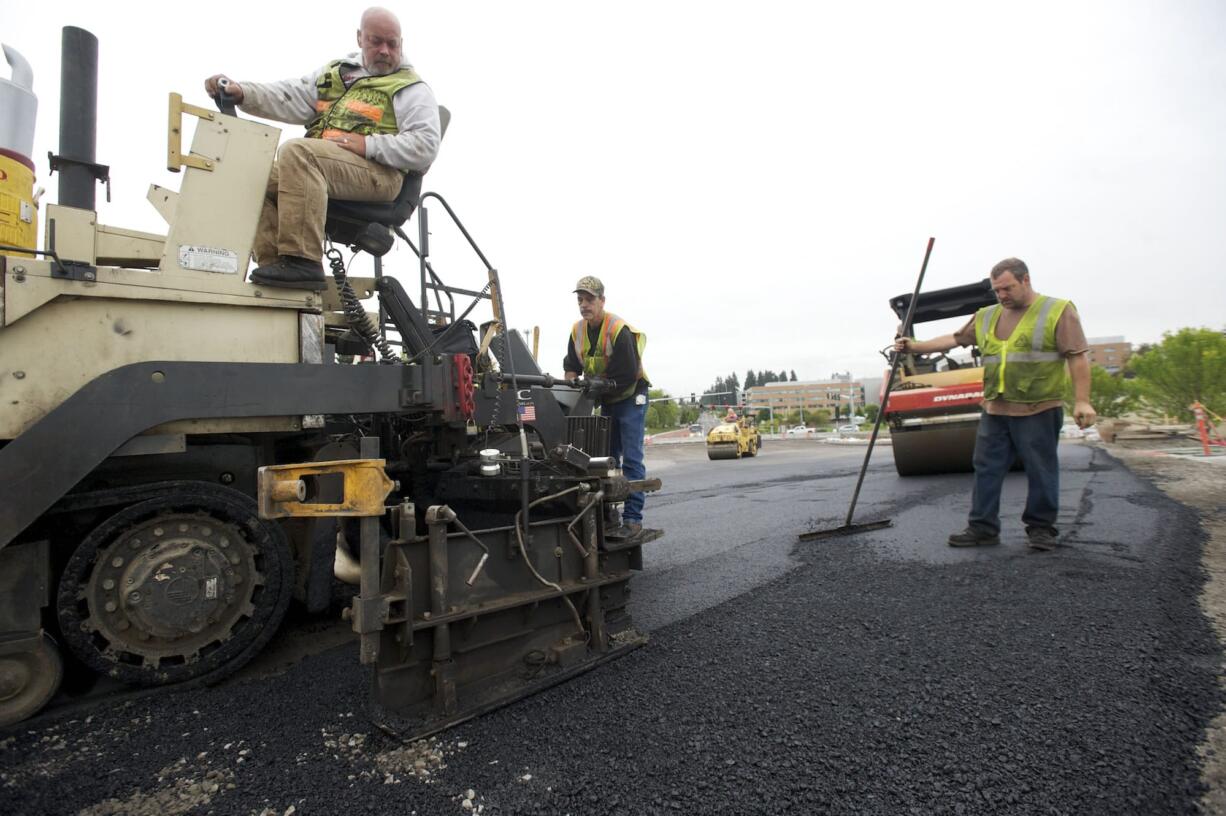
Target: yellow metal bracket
{"x": 175, "y": 158}
{"x": 289, "y": 490}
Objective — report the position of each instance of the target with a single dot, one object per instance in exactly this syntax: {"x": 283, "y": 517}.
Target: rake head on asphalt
{"x": 846, "y": 529}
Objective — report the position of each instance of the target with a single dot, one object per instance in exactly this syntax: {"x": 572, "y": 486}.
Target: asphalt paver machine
{"x": 183, "y": 452}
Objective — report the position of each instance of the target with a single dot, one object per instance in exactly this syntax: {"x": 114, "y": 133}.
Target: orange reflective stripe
{"x": 322, "y": 105}
{"x": 579, "y": 337}
{"x": 372, "y": 112}
{"x": 612, "y": 327}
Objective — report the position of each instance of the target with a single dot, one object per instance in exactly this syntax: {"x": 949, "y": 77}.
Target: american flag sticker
{"x": 527, "y": 411}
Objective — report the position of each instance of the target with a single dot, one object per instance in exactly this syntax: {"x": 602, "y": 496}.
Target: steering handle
{"x": 225, "y": 102}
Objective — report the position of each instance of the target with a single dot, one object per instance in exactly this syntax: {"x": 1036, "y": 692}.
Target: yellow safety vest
{"x": 595, "y": 361}
{"x": 1025, "y": 367}
{"x": 364, "y": 107}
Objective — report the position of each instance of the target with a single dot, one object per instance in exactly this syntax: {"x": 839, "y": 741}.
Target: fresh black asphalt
{"x": 881, "y": 673}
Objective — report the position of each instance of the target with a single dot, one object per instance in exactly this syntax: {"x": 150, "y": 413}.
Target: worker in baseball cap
{"x": 608, "y": 352}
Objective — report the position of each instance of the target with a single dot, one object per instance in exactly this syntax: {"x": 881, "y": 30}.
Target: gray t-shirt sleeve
{"x": 290, "y": 100}
{"x": 413, "y": 148}
{"x": 416, "y": 145}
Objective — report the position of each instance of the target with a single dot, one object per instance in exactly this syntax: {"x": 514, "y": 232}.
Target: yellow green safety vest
{"x": 365, "y": 107}
{"x": 1026, "y": 367}
{"x": 594, "y": 364}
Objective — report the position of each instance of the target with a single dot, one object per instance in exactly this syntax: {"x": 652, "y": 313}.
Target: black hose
{"x": 355, "y": 313}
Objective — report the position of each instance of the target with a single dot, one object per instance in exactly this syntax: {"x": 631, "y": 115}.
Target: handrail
{"x": 430, "y": 281}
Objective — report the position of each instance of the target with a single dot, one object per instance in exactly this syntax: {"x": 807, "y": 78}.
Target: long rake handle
{"x": 889, "y": 386}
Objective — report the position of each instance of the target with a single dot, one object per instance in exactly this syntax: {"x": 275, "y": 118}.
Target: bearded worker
{"x": 608, "y": 351}
{"x": 370, "y": 120}
{"x": 1028, "y": 340}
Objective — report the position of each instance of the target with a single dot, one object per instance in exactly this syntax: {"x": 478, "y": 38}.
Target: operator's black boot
{"x": 626, "y": 530}
{"x": 290, "y": 272}
{"x": 970, "y": 537}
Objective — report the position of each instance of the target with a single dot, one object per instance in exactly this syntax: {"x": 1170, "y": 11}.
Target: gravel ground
{"x": 861, "y": 681}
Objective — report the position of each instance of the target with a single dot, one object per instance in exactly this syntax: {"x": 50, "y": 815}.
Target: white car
{"x": 798, "y": 430}
{"x": 843, "y": 430}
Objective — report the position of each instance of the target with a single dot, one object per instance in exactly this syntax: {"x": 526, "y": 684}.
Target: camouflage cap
{"x": 591, "y": 285}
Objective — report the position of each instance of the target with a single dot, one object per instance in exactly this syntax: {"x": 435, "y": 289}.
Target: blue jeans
{"x": 1033, "y": 440}
{"x": 629, "y": 423}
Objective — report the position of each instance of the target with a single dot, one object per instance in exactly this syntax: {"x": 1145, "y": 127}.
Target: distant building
{"x": 810, "y": 395}
{"x": 872, "y": 390}
{"x": 1109, "y": 352}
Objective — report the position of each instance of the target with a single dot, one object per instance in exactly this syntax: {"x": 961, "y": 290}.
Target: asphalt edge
{"x": 1168, "y": 476}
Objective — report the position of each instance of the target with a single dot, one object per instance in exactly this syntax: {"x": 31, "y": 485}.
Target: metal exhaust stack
{"x": 19, "y": 108}
{"x": 79, "y": 121}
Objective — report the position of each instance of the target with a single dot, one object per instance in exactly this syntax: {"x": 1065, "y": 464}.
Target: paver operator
{"x": 608, "y": 351}
{"x": 370, "y": 119}
{"x": 1026, "y": 341}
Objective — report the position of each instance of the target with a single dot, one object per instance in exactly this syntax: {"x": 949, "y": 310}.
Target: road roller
{"x": 734, "y": 439}
{"x": 933, "y": 411}
{"x": 183, "y": 453}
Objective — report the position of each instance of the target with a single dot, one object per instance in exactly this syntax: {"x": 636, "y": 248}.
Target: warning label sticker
{"x": 208, "y": 259}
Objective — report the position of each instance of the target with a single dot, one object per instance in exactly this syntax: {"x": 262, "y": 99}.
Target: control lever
{"x": 225, "y": 102}
{"x": 597, "y": 386}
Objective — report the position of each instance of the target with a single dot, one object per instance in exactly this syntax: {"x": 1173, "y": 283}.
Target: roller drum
{"x": 929, "y": 450}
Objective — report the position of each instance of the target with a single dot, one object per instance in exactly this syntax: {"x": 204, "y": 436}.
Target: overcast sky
{"x": 752, "y": 182}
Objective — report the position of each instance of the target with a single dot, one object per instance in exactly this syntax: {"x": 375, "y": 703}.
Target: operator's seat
{"x": 368, "y": 225}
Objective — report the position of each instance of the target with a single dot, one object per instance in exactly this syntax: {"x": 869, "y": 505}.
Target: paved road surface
{"x": 878, "y": 673}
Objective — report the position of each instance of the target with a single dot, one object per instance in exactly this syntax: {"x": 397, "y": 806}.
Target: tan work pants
{"x": 307, "y": 172}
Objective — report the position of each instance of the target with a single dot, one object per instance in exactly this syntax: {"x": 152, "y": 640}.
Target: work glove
{"x": 598, "y": 386}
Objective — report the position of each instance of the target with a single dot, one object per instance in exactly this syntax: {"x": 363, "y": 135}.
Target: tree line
{"x": 753, "y": 378}
{"x": 729, "y": 390}
{"x": 1188, "y": 365}
{"x": 724, "y": 391}
{"x": 664, "y": 411}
